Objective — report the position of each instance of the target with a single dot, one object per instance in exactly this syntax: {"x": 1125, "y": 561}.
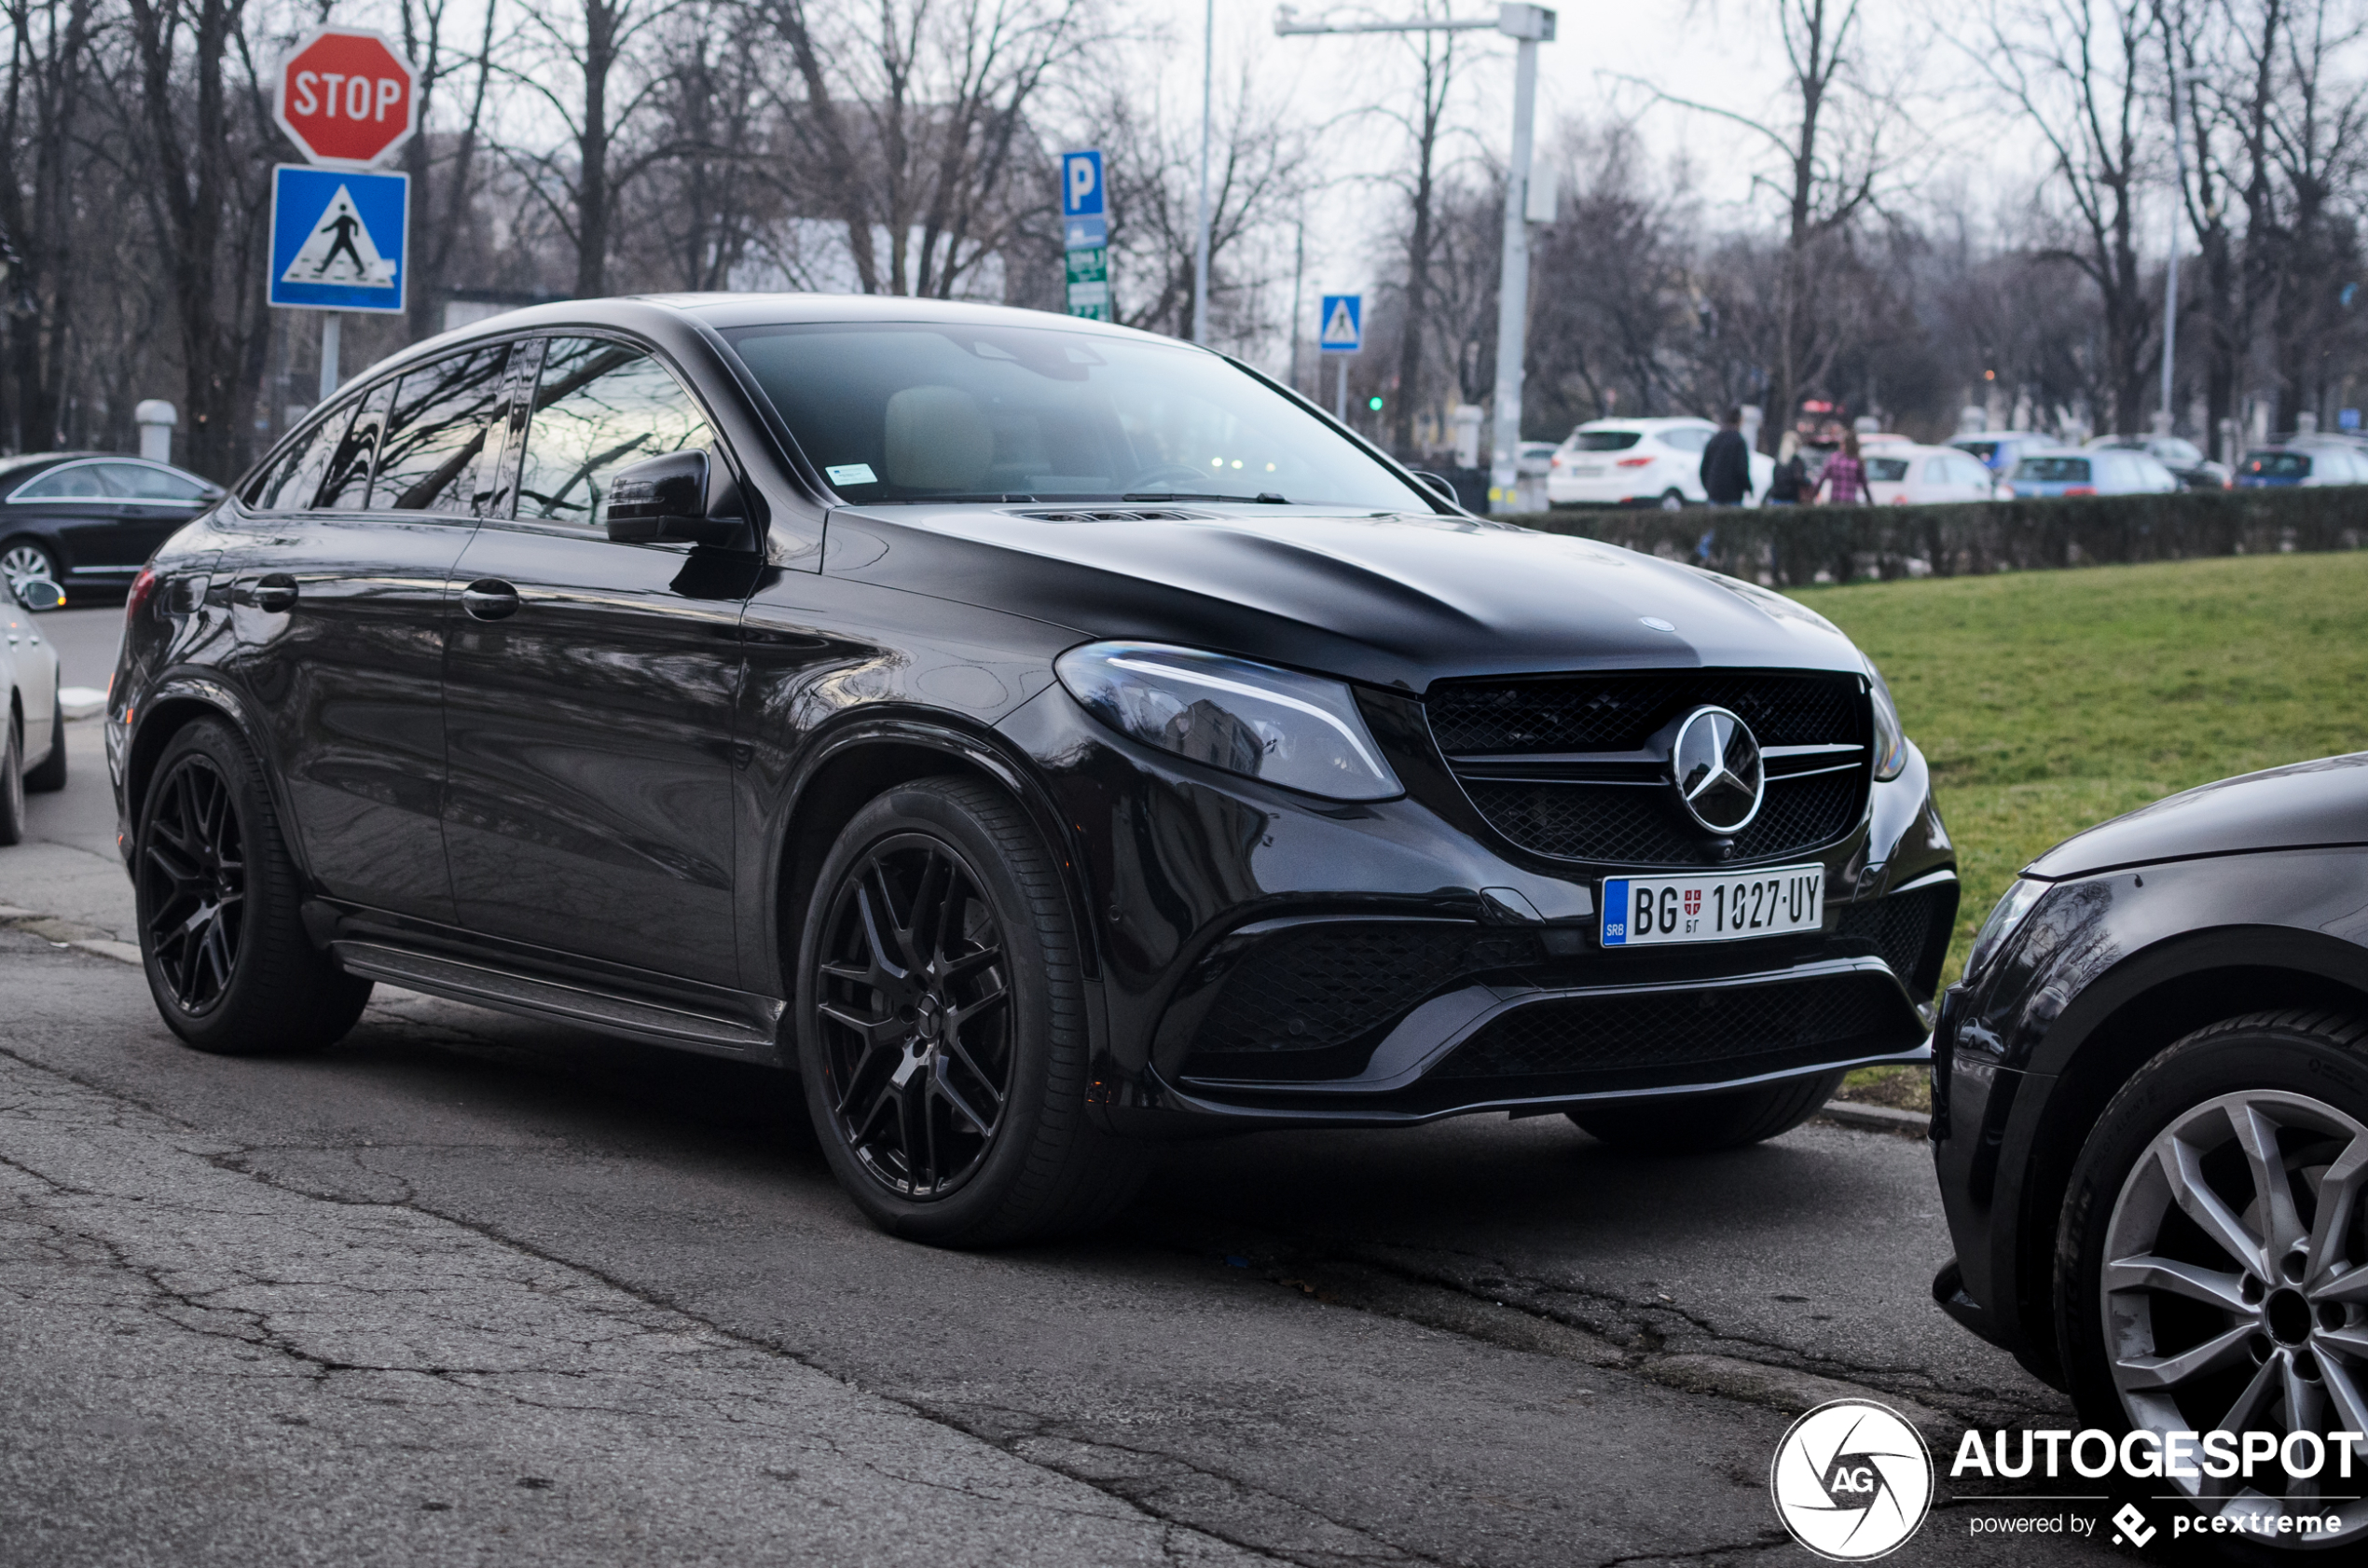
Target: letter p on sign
{"x": 1082, "y": 185}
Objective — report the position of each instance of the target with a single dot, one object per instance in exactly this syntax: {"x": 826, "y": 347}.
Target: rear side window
{"x": 1888, "y": 469}
{"x": 2275, "y": 465}
{"x": 347, "y": 488}
{"x": 1604, "y": 440}
{"x": 289, "y": 483}
{"x": 1985, "y": 450}
{"x": 2053, "y": 471}
{"x": 137, "y": 481}
{"x": 444, "y": 417}
{"x": 599, "y": 407}
{"x": 1685, "y": 440}
{"x": 76, "y": 481}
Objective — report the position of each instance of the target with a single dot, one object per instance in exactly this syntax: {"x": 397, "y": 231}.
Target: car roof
{"x": 1644, "y": 427}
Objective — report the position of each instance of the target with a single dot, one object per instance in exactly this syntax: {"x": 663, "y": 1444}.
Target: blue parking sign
{"x": 337, "y": 239}
{"x": 1082, "y": 185}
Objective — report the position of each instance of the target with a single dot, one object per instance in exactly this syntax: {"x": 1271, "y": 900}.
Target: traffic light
{"x": 1374, "y": 403}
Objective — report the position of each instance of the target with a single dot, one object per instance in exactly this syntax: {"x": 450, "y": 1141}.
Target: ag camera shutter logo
{"x": 1851, "y": 1480}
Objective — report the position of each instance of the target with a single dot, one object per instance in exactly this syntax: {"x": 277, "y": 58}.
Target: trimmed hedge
{"x": 1791, "y": 546}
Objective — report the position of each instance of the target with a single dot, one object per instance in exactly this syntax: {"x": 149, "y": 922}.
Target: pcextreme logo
{"x": 1853, "y": 1481}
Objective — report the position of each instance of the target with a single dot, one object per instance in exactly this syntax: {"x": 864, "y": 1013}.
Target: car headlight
{"x": 2003, "y": 921}
{"x": 1891, "y": 738}
{"x": 1276, "y": 725}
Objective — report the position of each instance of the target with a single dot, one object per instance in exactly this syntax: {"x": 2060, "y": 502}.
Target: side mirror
{"x": 664, "y": 500}
{"x": 1438, "y": 482}
{"x": 41, "y": 594}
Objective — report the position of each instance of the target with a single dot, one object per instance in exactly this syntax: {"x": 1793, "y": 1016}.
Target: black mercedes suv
{"x": 1040, "y": 736}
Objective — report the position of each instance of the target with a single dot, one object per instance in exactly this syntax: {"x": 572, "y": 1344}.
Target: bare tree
{"x": 41, "y": 113}
{"x": 443, "y": 165}
{"x": 908, "y": 125}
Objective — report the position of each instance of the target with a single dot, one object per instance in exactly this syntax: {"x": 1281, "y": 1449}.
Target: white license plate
{"x": 1588, "y": 470}
{"x": 1651, "y": 911}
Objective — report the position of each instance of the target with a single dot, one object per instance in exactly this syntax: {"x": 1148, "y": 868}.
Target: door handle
{"x": 275, "y": 594}
{"x": 489, "y": 599}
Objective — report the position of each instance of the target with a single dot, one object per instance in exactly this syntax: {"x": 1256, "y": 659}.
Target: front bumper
{"x": 1268, "y": 958}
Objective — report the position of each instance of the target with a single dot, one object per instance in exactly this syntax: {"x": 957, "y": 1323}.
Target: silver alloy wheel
{"x": 23, "y": 565}
{"x": 2234, "y": 1296}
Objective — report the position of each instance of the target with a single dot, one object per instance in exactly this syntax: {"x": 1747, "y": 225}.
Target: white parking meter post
{"x": 155, "y": 419}
{"x": 1530, "y": 26}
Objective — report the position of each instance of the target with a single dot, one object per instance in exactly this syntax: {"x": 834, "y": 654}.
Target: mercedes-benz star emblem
{"x": 1716, "y": 766}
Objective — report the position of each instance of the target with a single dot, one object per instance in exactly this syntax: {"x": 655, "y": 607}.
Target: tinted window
{"x": 289, "y": 483}
{"x": 1985, "y": 450}
{"x": 1604, "y": 440}
{"x": 2275, "y": 465}
{"x": 908, "y": 411}
{"x": 1889, "y": 470}
{"x": 434, "y": 447}
{"x": 1685, "y": 440}
{"x": 347, "y": 488}
{"x": 2053, "y": 471}
{"x": 598, "y": 408}
{"x": 138, "y": 481}
{"x": 76, "y": 481}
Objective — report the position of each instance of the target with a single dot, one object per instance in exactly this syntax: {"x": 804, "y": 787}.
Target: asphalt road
{"x": 467, "y": 1287}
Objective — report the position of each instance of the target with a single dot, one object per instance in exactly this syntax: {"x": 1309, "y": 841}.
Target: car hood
{"x": 1394, "y": 601}
{"x": 2303, "y": 806}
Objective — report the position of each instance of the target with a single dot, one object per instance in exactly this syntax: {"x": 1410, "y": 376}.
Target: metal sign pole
{"x": 1532, "y": 25}
{"x": 1339, "y": 398}
{"x": 332, "y": 325}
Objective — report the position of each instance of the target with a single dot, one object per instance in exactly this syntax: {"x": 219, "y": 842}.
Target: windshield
{"x": 900, "y": 411}
{"x": 2053, "y": 471}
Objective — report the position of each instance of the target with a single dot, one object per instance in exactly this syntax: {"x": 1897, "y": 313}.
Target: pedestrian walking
{"x": 1726, "y": 463}
{"x": 1785, "y": 488}
{"x": 1844, "y": 481}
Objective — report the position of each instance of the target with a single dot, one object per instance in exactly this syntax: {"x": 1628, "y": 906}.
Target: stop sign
{"x": 346, "y": 96}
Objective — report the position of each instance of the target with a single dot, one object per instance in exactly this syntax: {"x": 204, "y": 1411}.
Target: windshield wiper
{"x": 943, "y": 500}
{"x": 1265, "y": 498}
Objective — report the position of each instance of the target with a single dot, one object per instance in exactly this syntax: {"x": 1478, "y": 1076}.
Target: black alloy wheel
{"x": 193, "y": 883}
{"x": 216, "y": 895}
{"x": 914, "y": 1016}
{"x": 941, "y": 1023}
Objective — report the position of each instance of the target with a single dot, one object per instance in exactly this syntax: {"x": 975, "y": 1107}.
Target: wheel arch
{"x": 173, "y": 707}
{"x": 2129, "y": 1016}
{"x": 859, "y": 761}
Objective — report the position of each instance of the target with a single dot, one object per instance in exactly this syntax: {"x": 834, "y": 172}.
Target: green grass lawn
{"x": 2050, "y": 701}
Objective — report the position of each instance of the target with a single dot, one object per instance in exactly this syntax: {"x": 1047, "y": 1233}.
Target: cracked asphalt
{"x": 468, "y": 1287}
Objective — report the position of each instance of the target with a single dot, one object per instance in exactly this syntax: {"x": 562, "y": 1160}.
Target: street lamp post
{"x": 2170, "y": 272}
{"x": 1529, "y": 26}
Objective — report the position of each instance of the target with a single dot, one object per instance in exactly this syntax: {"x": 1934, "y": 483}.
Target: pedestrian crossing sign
{"x": 1343, "y": 324}
{"x": 337, "y": 239}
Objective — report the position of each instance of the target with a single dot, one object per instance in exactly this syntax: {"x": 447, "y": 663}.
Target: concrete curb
{"x": 66, "y": 933}
{"x": 1878, "y": 1118}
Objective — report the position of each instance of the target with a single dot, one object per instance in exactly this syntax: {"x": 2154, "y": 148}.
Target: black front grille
{"x": 1909, "y": 931}
{"x": 1620, "y": 713}
{"x": 1580, "y": 725}
{"x": 1727, "y": 1033}
{"x": 1322, "y": 985}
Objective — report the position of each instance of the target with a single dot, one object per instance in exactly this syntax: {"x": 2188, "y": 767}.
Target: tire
{"x": 11, "y": 778}
{"x": 25, "y": 560}
{"x": 1672, "y": 501}
{"x": 1699, "y": 1123}
{"x": 948, "y": 1087}
{"x": 2264, "y": 1311}
{"x": 225, "y": 952}
{"x": 51, "y": 777}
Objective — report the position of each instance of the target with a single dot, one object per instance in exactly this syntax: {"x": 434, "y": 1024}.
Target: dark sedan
{"x": 78, "y": 519}
{"x": 1041, "y": 735}
{"x": 2150, "y": 1117}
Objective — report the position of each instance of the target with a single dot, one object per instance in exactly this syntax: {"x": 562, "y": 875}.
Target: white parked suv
{"x": 1640, "y": 463}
